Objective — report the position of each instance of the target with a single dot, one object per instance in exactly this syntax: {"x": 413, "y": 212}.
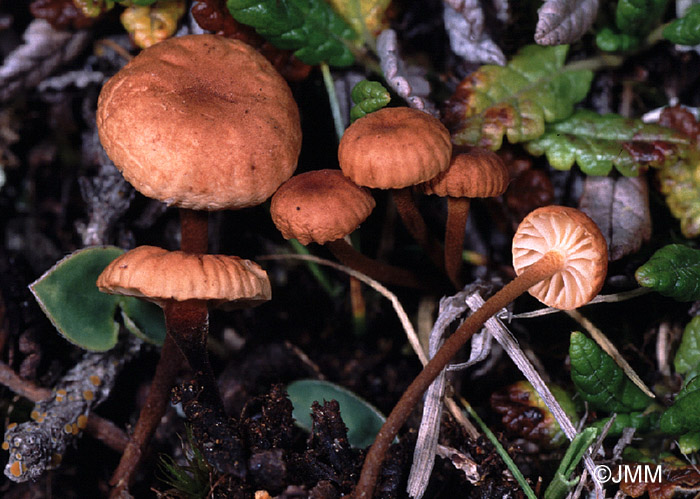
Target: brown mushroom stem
{"x": 194, "y": 231}
{"x": 416, "y": 226}
{"x": 457, "y": 214}
{"x": 149, "y": 418}
{"x": 382, "y": 272}
{"x": 550, "y": 263}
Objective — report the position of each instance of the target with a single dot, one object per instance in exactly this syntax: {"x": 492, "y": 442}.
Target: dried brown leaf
{"x": 564, "y": 21}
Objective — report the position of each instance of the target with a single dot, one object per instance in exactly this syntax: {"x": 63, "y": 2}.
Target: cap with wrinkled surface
{"x": 394, "y": 148}
{"x": 479, "y": 173}
{"x": 577, "y": 238}
{"x": 158, "y": 275}
{"x": 201, "y": 122}
{"x": 320, "y": 206}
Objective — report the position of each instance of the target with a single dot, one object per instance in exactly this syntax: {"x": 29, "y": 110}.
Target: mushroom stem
{"x": 550, "y": 263}
{"x": 416, "y": 226}
{"x": 194, "y": 230}
{"x": 379, "y": 271}
{"x": 457, "y": 214}
{"x": 149, "y": 418}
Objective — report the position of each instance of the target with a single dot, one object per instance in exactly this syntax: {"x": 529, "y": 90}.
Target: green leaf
{"x": 368, "y": 96}
{"x": 610, "y": 41}
{"x": 69, "y": 297}
{"x": 560, "y": 484}
{"x": 600, "y": 381}
{"x": 640, "y": 421}
{"x": 681, "y": 186}
{"x": 598, "y": 142}
{"x": 638, "y": 17}
{"x": 689, "y": 442}
{"x": 686, "y": 30}
{"x": 672, "y": 271}
{"x": 516, "y": 100}
{"x": 308, "y": 27}
{"x": 361, "y": 418}
{"x": 684, "y": 415}
{"x": 688, "y": 353}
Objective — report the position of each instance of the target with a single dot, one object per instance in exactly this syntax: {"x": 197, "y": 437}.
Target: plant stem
{"x": 544, "y": 268}
{"x": 457, "y": 215}
{"x": 149, "y": 418}
{"x": 379, "y": 271}
{"x": 416, "y": 226}
{"x": 338, "y": 121}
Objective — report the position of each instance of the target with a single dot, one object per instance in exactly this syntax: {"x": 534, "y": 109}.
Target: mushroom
{"x": 324, "y": 206}
{"x": 396, "y": 148}
{"x": 560, "y": 256}
{"x": 477, "y": 173}
{"x": 203, "y": 123}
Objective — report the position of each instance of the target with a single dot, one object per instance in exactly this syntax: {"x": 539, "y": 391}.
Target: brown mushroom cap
{"x": 157, "y": 274}
{"x": 577, "y": 238}
{"x": 319, "y": 206}
{"x": 201, "y": 122}
{"x": 394, "y": 148}
{"x": 479, "y": 173}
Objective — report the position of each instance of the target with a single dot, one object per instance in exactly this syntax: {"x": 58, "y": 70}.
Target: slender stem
{"x": 338, "y": 121}
{"x": 194, "y": 229}
{"x": 416, "y": 226}
{"x": 457, "y": 215}
{"x": 379, "y": 271}
{"x": 550, "y": 263}
{"x": 158, "y": 396}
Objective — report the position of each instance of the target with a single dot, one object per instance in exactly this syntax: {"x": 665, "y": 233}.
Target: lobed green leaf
{"x": 368, "y": 96}
{"x": 598, "y": 142}
{"x": 515, "y": 100}
{"x": 600, "y": 381}
{"x": 688, "y": 354}
{"x": 310, "y": 28}
{"x": 672, "y": 271}
{"x": 684, "y": 415}
{"x": 69, "y": 297}
{"x": 640, "y": 421}
{"x": 611, "y": 41}
{"x": 686, "y": 30}
{"x": 361, "y": 418}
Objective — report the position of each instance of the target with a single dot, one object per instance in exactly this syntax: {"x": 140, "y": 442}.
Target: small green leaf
{"x": 599, "y": 142}
{"x": 684, "y": 415}
{"x": 610, "y": 41}
{"x": 638, "y": 17}
{"x": 362, "y": 419}
{"x": 69, "y": 297}
{"x": 689, "y": 442}
{"x": 686, "y": 30}
{"x": 688, "y": 353}
{"x": 600, "y": 381}
{"x": 516, "y": 100}
{"x": 672, "y": 271}
{"x": 368, "y": 96}
{"x": 640, "y": 421}
{"x": 309, "y": 27}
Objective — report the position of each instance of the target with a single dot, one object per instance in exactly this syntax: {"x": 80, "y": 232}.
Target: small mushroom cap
{"x": 577, "y": 238}
{"x": 394, "y": 148}
{"x": 320, "y": 206}
{"x": 201, "y": 122}
{"x": 157, "y": 275}
{"x": 479, "y": 173}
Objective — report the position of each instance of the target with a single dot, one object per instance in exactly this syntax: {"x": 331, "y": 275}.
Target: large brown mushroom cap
{"x": 479, "y": 173}
{"x": 394, "y": 148}
{"x": 578, "y": 240}
{"x": 201, "y": 122}
{"x": 157, "y": 274}
{"x": 319, "y": 206}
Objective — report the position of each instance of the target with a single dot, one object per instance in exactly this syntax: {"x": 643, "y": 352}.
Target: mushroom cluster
{"x": 202, "y": 123}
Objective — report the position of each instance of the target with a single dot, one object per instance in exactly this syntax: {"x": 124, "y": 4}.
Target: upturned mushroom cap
{"x": 394, "y": 148}
{"x": 578, "y": 240}
{"x": 479, "y": 173}
{"x": 319, "y": 206}
{"x": 201, "y": 122}
{"x": 158, "y": 275}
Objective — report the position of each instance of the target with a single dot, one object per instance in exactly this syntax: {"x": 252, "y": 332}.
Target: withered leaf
{"x": 620, "y": 208}
{"x": 44, "y": 50}
{"x": 564, "y": 21}
{"x": 673, "y": 479}
{"x": 467, "y": 37}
